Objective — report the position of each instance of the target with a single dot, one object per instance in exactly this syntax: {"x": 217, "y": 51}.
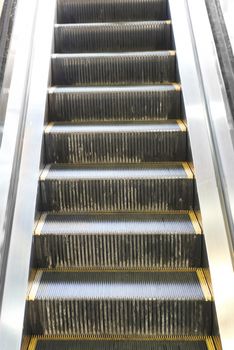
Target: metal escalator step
{"x": 112, "y": 303}
{"x": 118, "y": 241}
{"x": 83, "y": 11}
{"x": 114, "y": 68}
{"x": 140, "y": 103}
{"x": 113, "y": 37}
{"x": 115, "y": 143}
{"x": 157, "y": 186}
{"x": 57, "y": 343}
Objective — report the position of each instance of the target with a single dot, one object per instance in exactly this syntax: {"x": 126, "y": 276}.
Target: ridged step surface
{"x": 114, "y": 68}
{"x": 157, "y": 344}
{"x": 159, "y": 303}
{"x": 113, "y": 37}
{"x": 118, "y": 241}
{"x": 156, "y": 186}
{"x": 116, "y": 143}
{"x": 139, "y": 103}
{"x": 72, "y": 11}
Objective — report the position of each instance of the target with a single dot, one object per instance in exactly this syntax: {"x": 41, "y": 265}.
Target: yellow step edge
{"x": 117, "y": 270}
{"x": 25, "y": 343}
{"x": 114, "y": 269}
{"x": 177, "y": 86}
{"x": 207, "y": 340}
{"x": 217, "y": 343}
{"x": 207, "y": 275}
{"x": 134, "y": 269}
{"x": 32, "y": 275}
{"x": 187, "y": 170}
{"x": 204, "y": 285}
{"x": 195, "y": 223}
{"x": 191, "y": 165}
{"x": 45, "y": 172}
{"x": 48, "y": 128}
{"x": 210, "y": 345}
{"x": 168, "y": 21}
{"x": 200, "y": 275}
{"x": 33, "y": 343}
{"x": 181, "y": 125}
{"x": 199, "y": 217}
{"x": 172, "y": 52}
{"x": 35, "y": 285}
{"x": 40, "y": 224}
{"x": 158, "y": 212}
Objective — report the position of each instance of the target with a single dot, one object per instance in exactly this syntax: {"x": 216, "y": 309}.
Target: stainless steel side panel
{"x": 16, "y": 278}
{"x": 202, "y": 102}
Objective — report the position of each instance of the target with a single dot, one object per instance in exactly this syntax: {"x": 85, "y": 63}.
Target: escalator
{"x": 118, "y": 256}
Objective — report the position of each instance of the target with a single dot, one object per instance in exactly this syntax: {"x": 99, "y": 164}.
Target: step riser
{"x": 144, "y": 69}
{"x": 115, "y": 147}
{"x": 119, "y": 317}
{"x": 117, "y": 195}
{"x": 137, "y": 105}
{"x": 146, "y": 36}
{"x": 118, "y": 251}
{"x": 70, "y": 11}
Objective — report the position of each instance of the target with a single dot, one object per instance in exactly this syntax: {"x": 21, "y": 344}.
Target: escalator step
{"x": 71, "y": 11}
{"x": 113, "y": 303}
{"x": 113, "y": 37}
{"x": 115, "y": 143}
{"x": 140, "y": 103}
{"x": 118, "y": 241}
{"x": 157, "y": 344}
{"x": 157, "y": 186}
{"x": 114, "y": 68}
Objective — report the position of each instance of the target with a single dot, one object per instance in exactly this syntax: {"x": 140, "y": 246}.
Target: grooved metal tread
{"x": 118, "y": 241}
{"x": 114, "y": 303}
{"x": 161, "y": 170}
{"x": 162, "y": 285}
{"x": 73, "y": 128}
{"x": 124, "y": 223}
{"x": 113, "y": 37}
{"x": 114, "y": 68}
{"x": 115, "y": 143}
{"x": 115, "y": 103}
{"x": 156, "y": 344}
{"x": 143, "y": 187}
{"x": 70, "y": 11}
